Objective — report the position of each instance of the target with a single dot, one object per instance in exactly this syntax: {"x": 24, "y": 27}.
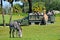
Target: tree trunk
{"x": 2, "y": 11}
{"x": 23, "y": 7}
{"x": 30, "y": 6}
{"x": 11, "y": 13}
{"x": 3, "y": 18}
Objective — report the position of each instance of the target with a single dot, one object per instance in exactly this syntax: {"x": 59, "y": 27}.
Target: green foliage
{"x": 38, "y": 6}
{"x": 52, "y": 4}
{"x": 17, "y": 9}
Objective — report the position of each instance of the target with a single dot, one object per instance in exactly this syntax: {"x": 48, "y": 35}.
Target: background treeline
{"x": 37, "y": 5}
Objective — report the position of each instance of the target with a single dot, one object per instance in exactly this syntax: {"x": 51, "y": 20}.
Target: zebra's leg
{"x": 20, "y": 33}
{"x": 10, "y": 32}
{"x": 16, "y": 33}
{"x": 13, "y": 33}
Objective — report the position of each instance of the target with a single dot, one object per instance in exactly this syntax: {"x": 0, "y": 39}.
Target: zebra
{"x": 15, "y": 26}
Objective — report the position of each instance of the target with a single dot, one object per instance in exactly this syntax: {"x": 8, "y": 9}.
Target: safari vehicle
{"x": 51, "y": 18}
{"x": 35, "y": 19}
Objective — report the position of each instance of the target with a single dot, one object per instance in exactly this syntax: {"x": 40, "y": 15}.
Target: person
{"x": 45, "y": 17}
{"x": 51, "y": 16}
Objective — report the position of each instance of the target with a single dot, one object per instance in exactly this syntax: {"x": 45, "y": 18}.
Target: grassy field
{"x": 35, "y": 32}
{"x": 14, "y": 17}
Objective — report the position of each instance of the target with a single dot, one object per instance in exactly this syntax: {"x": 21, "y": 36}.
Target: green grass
{"x": 14, "y": 17}
{"x": 35, "y": 32}
{"x": 7, "y": 18}
{"x": 57, "y": 15}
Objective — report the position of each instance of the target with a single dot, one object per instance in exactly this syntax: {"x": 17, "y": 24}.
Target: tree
{"x": 11, "y": 2}
{"x": 17, "y": 9}
{"x": 52, "y": 4}
{"x": 16, "y": 0}
{"x": 25, "y": 2}
{"x": 2, "y": 11}
{"x": 38, "y": 6}
{"x": 30, "y": 6}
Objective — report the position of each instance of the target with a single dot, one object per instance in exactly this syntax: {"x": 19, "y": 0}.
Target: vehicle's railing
{"x": 35, "y": 17}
